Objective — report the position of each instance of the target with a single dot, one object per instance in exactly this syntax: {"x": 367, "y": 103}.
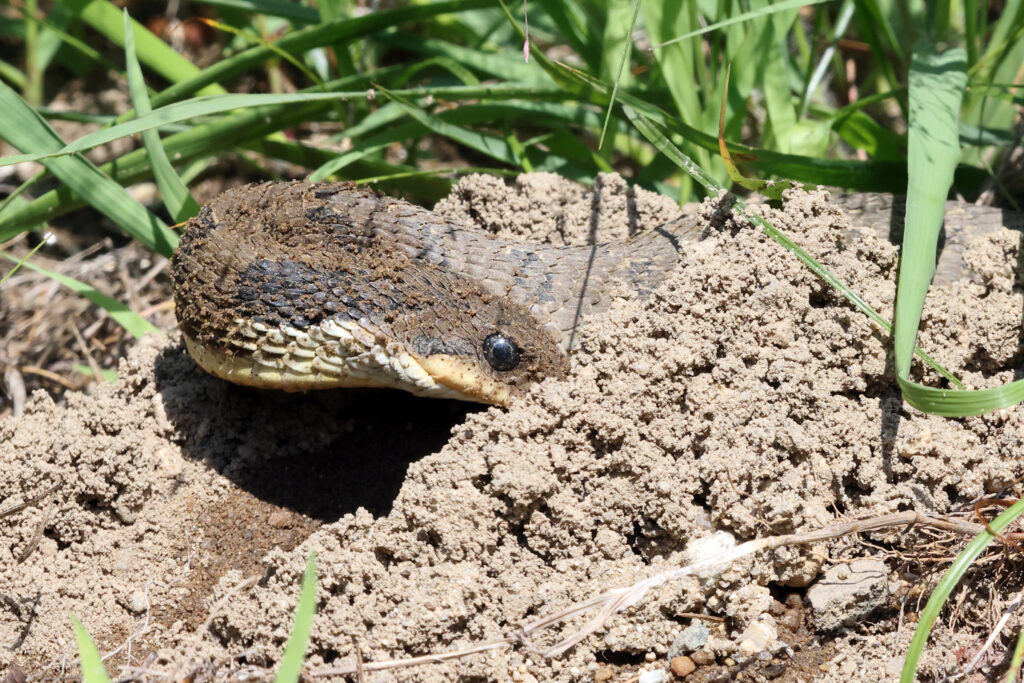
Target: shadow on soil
{"x": 321, "y": 454}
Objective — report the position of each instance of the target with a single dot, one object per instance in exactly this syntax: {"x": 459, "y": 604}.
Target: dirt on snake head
{"x": 744, "y": 397}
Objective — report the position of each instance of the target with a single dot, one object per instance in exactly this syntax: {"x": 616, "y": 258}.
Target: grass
{"x": 291, "y": 661}
{"x": 876, "y": 95}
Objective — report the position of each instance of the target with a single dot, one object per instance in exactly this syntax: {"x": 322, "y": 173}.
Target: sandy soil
{"x": 173, "y": 513}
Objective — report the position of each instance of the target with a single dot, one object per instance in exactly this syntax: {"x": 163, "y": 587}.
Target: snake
{"x": 296, "y": 285}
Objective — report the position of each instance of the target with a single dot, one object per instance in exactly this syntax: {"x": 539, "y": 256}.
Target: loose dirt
{"x": 743, "y": 399}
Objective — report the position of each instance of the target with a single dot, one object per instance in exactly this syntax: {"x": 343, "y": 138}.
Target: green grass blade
{"x": 313, "y": 37}
{"x": 132, "y": 322}
{"x": 846, "y": 10}
{"x": 936, "y": 84}
{"x": 153, "y": 52}
{"x": 626, "y": 41}
{"x": 13, "y": 75}
{"x": 108, "y": 376}
{"x": 92, "y": 664}
{"x": 181, "y": 111}
{"x": 490, "y": 145}
{"x": 50, "y": 29}
{"x": 682, "y": 66}
{"x": 18, "y": 263}
{"x": 205, "y": 106}
{"x": 179, "y": 202}
{"x": 497, "y": 65}
{"x": 964, "y": 403}
{"x": 888, "y": 52}
{"x": 783, "y": 6}
{"x": 298, "y": 641}
{"x": 273, "y": 8}
{"x": 947, "y": 584}
{"x": 582, "y": 35}
{"x": 1016, "y": 660}
{"x": 21, "y": 126}
{"x": 937, "y": 81}
{"x": 773, "y": 71}
{"x": 872, "y": 176}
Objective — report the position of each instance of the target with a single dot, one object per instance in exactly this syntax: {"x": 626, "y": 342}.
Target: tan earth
{"x": 173, "y": 513}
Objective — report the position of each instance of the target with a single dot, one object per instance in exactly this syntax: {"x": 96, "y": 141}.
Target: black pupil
{"x": 501, "y": 352}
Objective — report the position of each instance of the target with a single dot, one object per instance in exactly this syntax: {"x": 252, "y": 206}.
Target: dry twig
{"x": 1010, "y": 609}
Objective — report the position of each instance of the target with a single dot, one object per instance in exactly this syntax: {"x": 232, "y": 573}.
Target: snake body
{"x": 304, "y": 286}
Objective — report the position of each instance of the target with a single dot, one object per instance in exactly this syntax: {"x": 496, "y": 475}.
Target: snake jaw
{"x": 465, "y": 379}
{"x": 335, "y": 355}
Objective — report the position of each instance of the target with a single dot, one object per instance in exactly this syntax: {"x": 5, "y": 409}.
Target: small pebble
{"x": 655, "y": 676}
{"x": 692, "y": 638}
{"x": 791, "y": 620}
{"x": 279, "y": 519}
{"x": 682, "y": 666}
{"x": 137, "y": 602}
{"x": 702, "y": 658}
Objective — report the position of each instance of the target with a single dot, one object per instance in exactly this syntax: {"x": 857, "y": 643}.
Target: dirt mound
{"x": 743, "y": 399}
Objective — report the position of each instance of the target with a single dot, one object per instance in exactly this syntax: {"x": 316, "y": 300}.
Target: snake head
{"x": 298, "y": 286}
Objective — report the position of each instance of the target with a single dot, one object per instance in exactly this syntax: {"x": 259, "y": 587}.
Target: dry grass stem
{"x": 996, "y": 630}
{"x": 18, "y": 507}
{"x": 619, "y": 599}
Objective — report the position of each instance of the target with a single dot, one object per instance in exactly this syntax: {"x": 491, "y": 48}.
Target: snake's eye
{"x": 501, "y": 352}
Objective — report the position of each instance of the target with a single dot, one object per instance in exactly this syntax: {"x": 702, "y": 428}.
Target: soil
{"x": 174, "y": 513}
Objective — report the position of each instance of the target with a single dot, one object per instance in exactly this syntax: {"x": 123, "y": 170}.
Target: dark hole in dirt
{"x": 819, "y": 298}
{"x": 952, "y": 492}
{"x": 430, "y": 537}
{"x": 638, "y": 544}
{"x": 384, "y": 557}
{"x": 91, "y": 504}
{"x": 519, "y": 533}
{"x": 61, "y": 544}
{"x": 482, "y": 481}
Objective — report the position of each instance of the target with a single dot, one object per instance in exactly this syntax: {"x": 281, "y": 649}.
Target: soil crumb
{"x": 173, "y": 513}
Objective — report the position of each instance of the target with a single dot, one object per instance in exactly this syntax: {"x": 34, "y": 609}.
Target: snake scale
{"x": 297, "y": 286}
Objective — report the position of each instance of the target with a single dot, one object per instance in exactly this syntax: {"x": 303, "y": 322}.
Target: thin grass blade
{"x": 618, "y": 76}
{"x": 92, "y": 665}
{"x": 132, "y": 322}
{"x": 490, "y": 145}
{"x": 153, "y": 52}
{"x": 21, "y": 126}
{"x": 108, "y": 376}
{"x": 272, "y": 8}
{"x": 313, "y": 37}
{"x": 295, "y": 651}
{"x": 178, "y": 200}
{"x": 945, "y": 587}
{"x": 937, "y": 82}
